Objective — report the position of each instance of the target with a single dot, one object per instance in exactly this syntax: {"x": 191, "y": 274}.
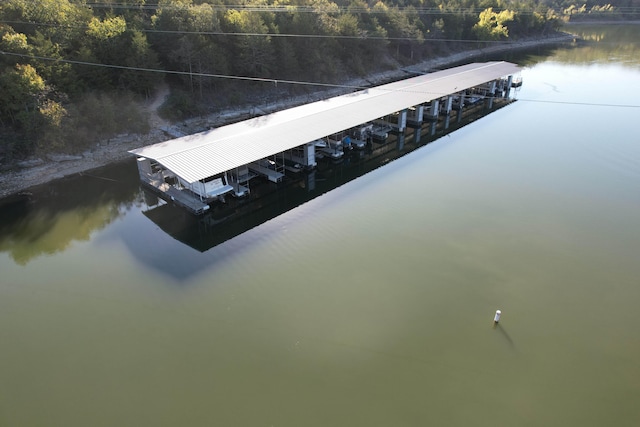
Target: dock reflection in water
{"x": 268, "y": 200}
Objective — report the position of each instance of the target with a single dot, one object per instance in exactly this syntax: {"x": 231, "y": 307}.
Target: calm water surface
{"x": 370, "y": 305}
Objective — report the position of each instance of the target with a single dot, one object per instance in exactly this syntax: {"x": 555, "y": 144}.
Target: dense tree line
{"x": 71, "y": 71}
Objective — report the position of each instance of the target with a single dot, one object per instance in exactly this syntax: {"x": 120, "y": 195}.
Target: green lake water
{"x": 369, "y": 305}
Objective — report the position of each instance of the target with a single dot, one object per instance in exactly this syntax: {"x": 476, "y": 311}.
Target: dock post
{"x": 402, "y": 120}
{"x": 449, "y": 104}
{"x": 310, "y": 183}
{"x": 310, "y": 155}
{"x": 492, "y": 91}
{"x": 420, "y": 114}
{"x": 144, "y": 167}
{"x": 433, "y": 109}
{"x": 508, "y": 89}
{"x": 400, "y": 142}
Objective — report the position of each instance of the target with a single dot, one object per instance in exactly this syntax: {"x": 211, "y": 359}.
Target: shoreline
{"x": 38, "y": 171}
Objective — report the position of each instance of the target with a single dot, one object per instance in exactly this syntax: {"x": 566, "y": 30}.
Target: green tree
{"x": 58, "y": 73}
{"x": 107, "y": 29}
{"x": 183, "y": 44}
{"x": 13, "y": 42}
{"x": 25, "y": 106}
{"x": 493, "y": 25}
{"x": 140, "y": 55}
{"x": 61, "y": 21}
{"x": 253, "y": 54}
{"x": 49, "y": 122}
{"x": 20, "y": 91}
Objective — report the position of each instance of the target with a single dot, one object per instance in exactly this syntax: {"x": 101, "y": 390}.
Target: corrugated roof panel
{"x": 198, "y": 156}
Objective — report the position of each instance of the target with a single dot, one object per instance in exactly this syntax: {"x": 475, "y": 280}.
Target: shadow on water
{"x": 46, "y": 219}
{"x": 268, "y": 200}
{"x": 498, "y": 327}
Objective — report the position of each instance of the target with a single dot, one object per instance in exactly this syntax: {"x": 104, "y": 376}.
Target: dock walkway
{"x": 183, "y": 198}
{"x": 270, "y": 174}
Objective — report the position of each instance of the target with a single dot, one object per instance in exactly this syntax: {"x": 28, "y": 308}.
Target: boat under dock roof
{"x": 201, "y": 155}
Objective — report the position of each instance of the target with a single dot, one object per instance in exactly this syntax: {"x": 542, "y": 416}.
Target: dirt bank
{"x": 38, "y": 171}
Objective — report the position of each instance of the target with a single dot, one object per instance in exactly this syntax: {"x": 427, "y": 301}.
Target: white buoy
{"x": 496, "y": 318}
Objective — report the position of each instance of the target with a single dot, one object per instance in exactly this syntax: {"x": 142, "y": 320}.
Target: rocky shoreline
{"x": 38, "y": 171}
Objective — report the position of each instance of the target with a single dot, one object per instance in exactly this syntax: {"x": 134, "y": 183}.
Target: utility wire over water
{"x": 275, "y": 81}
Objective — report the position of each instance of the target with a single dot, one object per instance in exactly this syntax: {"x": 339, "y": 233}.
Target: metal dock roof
{"x": 201, "y": 155}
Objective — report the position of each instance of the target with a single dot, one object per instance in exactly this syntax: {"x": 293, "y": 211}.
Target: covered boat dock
{"x": 206, "y": 165}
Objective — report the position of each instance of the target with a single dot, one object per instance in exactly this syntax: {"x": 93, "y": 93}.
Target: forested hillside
{"x": 74, "y": 71}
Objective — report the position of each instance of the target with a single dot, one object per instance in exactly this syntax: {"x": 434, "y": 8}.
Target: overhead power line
{"x": 340, "y": 9}
{"x": 337, "y": 9}
{"x": 294, "y": 8}
{"x": 184, "y": 73}
{"x": 276, "y": 81}
{"x": 285, "y": 35}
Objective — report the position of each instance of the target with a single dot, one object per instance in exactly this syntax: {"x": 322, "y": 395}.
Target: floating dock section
{"x": 159, "y": 182}
{"x": 201, "y": 165}
{"x": 266, "y": 170}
